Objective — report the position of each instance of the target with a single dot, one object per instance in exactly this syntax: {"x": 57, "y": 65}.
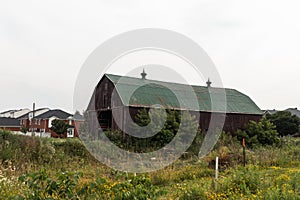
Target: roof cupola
{"x": 143, "y": 74}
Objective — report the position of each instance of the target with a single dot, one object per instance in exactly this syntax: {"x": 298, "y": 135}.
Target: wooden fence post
{"x": 244, "y": 152}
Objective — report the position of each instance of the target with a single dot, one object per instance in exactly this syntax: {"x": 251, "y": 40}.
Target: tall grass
{"x": 46, "y": 168}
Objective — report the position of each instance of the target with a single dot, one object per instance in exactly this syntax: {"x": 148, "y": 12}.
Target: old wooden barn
{"x": 112, "y": 95}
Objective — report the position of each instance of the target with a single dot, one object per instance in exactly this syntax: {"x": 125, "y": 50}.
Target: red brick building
{"x": 41, "y": 124}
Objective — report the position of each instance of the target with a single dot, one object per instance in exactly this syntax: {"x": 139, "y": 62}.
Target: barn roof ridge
{"x": 110, "y": 76}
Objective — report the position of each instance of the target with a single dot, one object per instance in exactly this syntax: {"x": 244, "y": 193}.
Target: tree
{"x": 164, "y": 132}
{"x": 285, "y": 122}
{"x": 162, "y": 127}
{"x": 59, "y": 126}
{"x": 77, "y": 112}
{"x": 24, "y": 129}
{"x": 259, "y": 133}
{"x": 84, "y": 127}
{"x": 165, "y": 123}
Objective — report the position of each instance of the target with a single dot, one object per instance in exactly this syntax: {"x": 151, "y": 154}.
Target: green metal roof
{"x": 178, "y": 96}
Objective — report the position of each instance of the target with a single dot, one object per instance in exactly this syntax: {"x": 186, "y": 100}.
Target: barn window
{"x": 104, "y": 100}
{"x": 105, "y": 86}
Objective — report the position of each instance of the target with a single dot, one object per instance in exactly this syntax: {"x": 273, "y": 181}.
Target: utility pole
{"x": 32, "y": 125}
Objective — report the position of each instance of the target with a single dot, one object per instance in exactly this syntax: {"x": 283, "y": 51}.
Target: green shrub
{"x": 42, "y": 186}
{"x": 259, "y": 133}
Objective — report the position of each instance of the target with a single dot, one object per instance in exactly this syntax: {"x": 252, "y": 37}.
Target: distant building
{"x": 10, "y": 124}
{"x": 39, "y": 121}
{"x": 37, "y": 112}
{"x": 14, "y": 113}
{"x": 270, "y": 112}
{"x": 240, "y": 109}
{"x": 40, "y": 124}
{"x": 293, "y": 111}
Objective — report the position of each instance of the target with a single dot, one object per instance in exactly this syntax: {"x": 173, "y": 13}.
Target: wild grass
{"x": 45, "y": 168}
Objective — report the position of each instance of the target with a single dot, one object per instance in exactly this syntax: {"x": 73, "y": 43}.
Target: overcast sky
{"x": 254, "y": 44}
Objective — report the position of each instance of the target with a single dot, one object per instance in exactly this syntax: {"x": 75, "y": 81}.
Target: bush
{"x": 25, "y": 151}
{"x": 42, "y": 186}
{"x": 259, "y": 133}
{"x": 164, "y": 133}
{"x": 19, "y": 148}
{"x": 65, "y": 185}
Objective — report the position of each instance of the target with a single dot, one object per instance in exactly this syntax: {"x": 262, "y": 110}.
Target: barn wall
{"x": 117, "y": 117}
{"x": 123, "y": 116}
{"x": 107, "y": 101}
{"x": 232, "y": 121}
{"x": 238, "y": 121}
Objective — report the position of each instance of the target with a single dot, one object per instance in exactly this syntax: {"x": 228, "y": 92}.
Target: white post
{"x": 216, "y": 178}
{"x": 217, "y": 167}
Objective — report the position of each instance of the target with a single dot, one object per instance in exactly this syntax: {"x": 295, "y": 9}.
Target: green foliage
{"x": 257, "y": 183}
{"x": 18, "y": 148}
{"x": 65, "y": 185}
{"x": 84, "y": 127}
{"x": 273, "y": 173}
{"x": 25, "y": 150}
{"x": 142, "y": 118}
{"x": 194, "y": 149}
{"x": 251, "y": 182}
{"x": 243, "y": 180}
{"x": 285, "y": 122}
{"x": 139, "y": 187}
{"x": 229, "y": 151}
{"x": 228, "y": 140}
{"x": 24, "y": 130}
{"x": 191, "y": 192}
{"x": 259, "y": 133}
{"x": 59, "y": 126}
{"x": 286, "y": 154}
{"x": 188, "y": 125}
{"x": 42, "y": 186}
{"x": 163, "y": 133}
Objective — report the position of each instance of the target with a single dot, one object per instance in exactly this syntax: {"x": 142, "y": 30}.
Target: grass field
{"x": 40, "y": 168}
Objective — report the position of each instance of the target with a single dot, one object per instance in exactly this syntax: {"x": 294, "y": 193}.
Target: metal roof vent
{"x": 143, "y": 74}
{"x": 208, "y": 83}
